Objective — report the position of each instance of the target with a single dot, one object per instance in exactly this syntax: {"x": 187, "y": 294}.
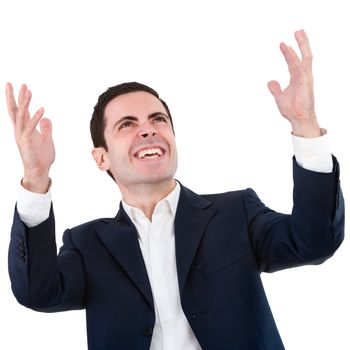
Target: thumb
{"x": 46, "y": 127}
{"x": 275, "y": 88}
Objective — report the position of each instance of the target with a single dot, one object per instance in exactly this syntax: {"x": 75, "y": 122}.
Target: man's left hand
{"x": 296, "y": 101}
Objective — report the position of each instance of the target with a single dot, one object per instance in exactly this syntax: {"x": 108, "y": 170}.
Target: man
{"x": 173, "y": 270}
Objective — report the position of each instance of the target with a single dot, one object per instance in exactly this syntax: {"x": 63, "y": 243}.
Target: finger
{"x": 32, "y": 124}
{"x": 11, "y": 103}
{"x": 304, "y": 45}
{"x": 293, "y": 56}
{"x": 21, "y": 93}
{"x": 275, "y": 88}
{"x": 21, "y": 99}
{"x": 22, "y": 112}
{"x": 290, "y": 57}
{"x": 46, "y": 127}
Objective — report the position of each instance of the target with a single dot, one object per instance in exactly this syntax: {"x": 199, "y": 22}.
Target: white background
{"x": 210, "y": 62}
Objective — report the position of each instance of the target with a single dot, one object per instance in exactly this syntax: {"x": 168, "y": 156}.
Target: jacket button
{"x": 21, "y": 251}
{"x": 147, "y": 331}
{"x": 198, "y": 314}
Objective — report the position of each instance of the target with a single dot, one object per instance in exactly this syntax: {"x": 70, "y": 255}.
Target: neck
{"x": 146, "y": 196}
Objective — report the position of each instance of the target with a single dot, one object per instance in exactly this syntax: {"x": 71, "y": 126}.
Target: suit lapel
{"x": 192, "y": 216}
{"x": 120, "y": 237}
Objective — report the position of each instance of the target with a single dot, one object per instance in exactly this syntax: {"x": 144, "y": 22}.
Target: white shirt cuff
{"x": 33, "y": 208}
{"x": 313, "y": 153}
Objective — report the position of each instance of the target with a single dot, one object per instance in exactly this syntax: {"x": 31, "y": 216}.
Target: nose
{"x": 146, "y": 134}
{"x": 147, "y": 131}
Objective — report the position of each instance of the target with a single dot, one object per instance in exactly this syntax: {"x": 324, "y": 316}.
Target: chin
{"x": 154, "y": 178}
{"x": 154, "y": 175}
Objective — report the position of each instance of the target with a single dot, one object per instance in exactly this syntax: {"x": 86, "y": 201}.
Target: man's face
{"x": 140, "y": 140}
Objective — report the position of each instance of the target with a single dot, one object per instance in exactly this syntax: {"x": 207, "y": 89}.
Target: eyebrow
{"x": 133, "y": 118}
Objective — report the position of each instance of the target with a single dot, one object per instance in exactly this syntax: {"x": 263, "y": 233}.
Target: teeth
{"x": 150, "y": 153}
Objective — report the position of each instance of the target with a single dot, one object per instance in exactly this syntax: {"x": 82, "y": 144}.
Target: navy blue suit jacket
{"x": 223, "y": 243}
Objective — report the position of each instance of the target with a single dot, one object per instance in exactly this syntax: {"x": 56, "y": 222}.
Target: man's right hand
{"x": 36, "y": 148}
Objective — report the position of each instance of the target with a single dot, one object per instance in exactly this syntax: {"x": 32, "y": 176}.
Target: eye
{"x": 126, "y": 124}
{"x": 160, "y": 118}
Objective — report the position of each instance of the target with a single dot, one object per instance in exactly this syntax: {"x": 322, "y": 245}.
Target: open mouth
{"x": 149, "y": 153}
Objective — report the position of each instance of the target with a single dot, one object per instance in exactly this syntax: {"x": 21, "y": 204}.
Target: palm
{"x": 37, "y": 152}
{"x": 36, "y": 147}
{"x": 296, "y": 101}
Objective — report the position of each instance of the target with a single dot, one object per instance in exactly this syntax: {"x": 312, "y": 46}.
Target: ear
{"x": 101, "y": 158}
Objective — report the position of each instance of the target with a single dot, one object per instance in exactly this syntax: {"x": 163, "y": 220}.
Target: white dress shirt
{"x": 157, "y": 243}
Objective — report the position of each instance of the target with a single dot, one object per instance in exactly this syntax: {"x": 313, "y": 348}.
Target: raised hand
{"x": 296, "y": 101}
{"x": 36, "y": 148}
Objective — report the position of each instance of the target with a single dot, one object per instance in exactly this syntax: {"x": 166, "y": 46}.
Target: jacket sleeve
{"x": 311, "y": 234}
{"x": 41, "y": 279}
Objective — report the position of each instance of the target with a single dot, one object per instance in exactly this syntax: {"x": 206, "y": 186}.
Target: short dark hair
{"x": 97, "y": 122}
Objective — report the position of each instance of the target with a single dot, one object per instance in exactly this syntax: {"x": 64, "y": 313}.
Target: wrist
{"x": 307, "y": 130}
{"x": 36, "y": 183}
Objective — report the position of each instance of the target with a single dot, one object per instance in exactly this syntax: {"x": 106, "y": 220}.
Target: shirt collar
{"x": 171, "y": 200}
